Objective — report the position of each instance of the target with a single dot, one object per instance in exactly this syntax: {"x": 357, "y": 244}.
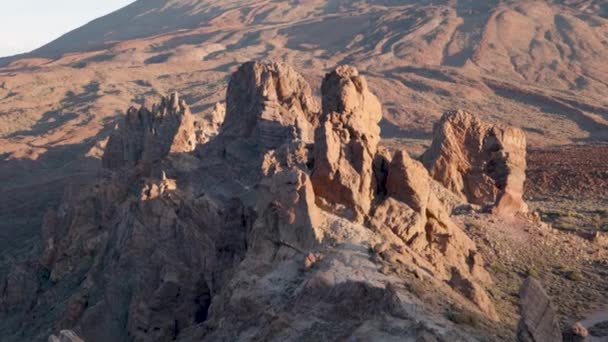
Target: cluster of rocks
{"x": 213, "y": 248}
{"x": 147, "y": 136}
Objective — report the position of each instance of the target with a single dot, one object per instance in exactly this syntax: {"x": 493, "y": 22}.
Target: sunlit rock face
{"x": 483, "y": 163}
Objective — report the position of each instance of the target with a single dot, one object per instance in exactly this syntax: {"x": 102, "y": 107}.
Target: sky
{"x": 28, "y": 24}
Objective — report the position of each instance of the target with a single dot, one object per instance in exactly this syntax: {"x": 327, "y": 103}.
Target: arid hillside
{"x": 537, "y": 65}
{"x": 157, "y": 185}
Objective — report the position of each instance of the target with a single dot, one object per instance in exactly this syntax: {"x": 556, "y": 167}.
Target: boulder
{"x": 538, "y": 321}
{"x": 578, "y": 332}
{"x": 408, "y": 182}
{"x": 484, "y": 164}
{"x": 346, "y": 143}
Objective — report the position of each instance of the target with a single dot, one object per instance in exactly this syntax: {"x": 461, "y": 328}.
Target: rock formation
{"x": 346, "y": 143}
{"x": 209, "y": 126}
{"x": 258, "y": 234}
{"x": 289, "y": 218}
{"x": 414, "y": 213}
{"x": 485, "y": 164}
{"x": 269, "y": 104}
{"x": 147, "y": 136}
{"x": 538, "y": 321}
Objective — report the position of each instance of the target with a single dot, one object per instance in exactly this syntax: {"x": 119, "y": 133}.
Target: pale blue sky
{"x": 28, "y": 24}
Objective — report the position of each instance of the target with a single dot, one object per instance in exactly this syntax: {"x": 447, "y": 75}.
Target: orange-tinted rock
{"x": 346, "y": 143}
{"x": 485, "y": 164}
{"x": 415, "y": 214}
{"x": 269, "y": 104}
{"x": 289, "y": 218}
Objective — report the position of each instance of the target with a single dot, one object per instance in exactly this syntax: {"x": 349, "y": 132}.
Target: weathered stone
{"x": 147, "y": 136}
{"x": 289, "y": 218}
{"x": 483, "y": 163}
{"x": 408, "y": 182}
{"x": 269, "y": 104}
{"x": 209, "y": 126}
{"x": 65, "y": 336}
{"x": 231, "y": 242}
{"x": 578, "y": 331}
{"x": 415, "y": 214}
{"x": 538, "y": 321}
{"x": 346, "y": 143}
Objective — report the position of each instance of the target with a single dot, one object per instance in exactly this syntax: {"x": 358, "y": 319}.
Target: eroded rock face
{"x": 150, "y": 261}
{"x": 485, "y": 164}
{"x": 538, "y": 321}
{"x": 289, "y": 218}
{"x": 209, "y": 126}
{"x": 147, "y": 136}
{"x": 257, "y": 232}
{"x": 346, "y": 143}
{"x": 415, "y": 214}
{"x": 269, "y": 104}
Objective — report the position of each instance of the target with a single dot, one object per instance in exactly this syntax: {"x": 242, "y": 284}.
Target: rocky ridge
{"x": 285, "y": 232}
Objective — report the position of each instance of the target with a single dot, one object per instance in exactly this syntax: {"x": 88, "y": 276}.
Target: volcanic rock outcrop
{"x": 346, "y": 143}
{"x": 538, "y": 319}
{"x": 485, "y": 164}
{"x": 209, "y": 126}
{"x": 269, "y": 104}
{"x": 256, "y": 235}
{"x": 414, "y": 213}
{"x": 148, "y": 136}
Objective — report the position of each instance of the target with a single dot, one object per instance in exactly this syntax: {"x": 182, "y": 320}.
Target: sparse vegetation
{"x": 463, "y": 318}
{"x": 532, "y": 272}
{"x": 574, "y": 275}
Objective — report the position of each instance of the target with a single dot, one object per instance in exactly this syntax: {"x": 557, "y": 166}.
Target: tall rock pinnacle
{"x": 346, "y": 143}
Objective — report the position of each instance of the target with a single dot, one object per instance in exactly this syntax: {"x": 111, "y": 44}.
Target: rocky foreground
{"x": 289, "y": 223}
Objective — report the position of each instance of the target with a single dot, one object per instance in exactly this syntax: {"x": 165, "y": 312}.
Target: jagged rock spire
{"x": 346, "y": 143}
{"x": 149, "y": 135}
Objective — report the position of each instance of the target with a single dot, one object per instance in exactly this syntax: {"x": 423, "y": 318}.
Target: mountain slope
{"x": 537, "y": 65}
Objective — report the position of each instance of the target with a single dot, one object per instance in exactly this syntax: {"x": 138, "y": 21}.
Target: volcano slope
{"x": 289, "y": 224}
{"x": 534, "y": 65}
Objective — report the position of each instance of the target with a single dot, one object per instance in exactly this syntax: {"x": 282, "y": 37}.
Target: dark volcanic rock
{"x": 269, "y": 104}
{"x": 148, "y": 136}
